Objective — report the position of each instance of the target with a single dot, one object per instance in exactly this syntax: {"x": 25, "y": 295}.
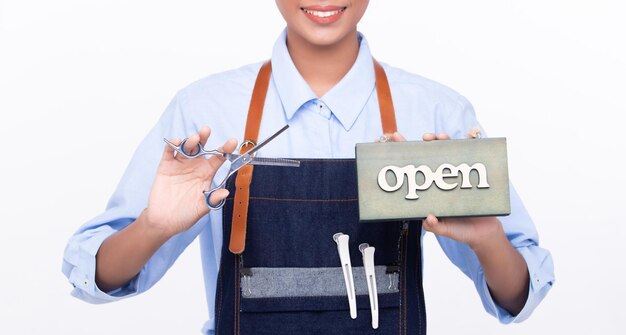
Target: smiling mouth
{"x": 323, "y": 14}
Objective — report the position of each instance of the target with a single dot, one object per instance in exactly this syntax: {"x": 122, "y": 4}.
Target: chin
{"x": 326, "y": 37}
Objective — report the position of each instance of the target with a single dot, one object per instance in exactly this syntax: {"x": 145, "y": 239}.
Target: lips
{"x": 323, "y": 14}
{"x": 319, "y": 13}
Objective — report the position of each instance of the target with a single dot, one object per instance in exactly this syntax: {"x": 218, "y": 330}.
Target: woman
{"x": 270, "y": 262}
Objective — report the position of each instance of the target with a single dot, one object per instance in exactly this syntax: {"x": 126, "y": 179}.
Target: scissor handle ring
{"x": 182, "y": 149}
{"x": 207, "y": 195}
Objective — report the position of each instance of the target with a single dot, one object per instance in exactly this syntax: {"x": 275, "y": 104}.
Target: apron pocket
{"x": 323, "y": 322}
{"x": 312, "y": 289}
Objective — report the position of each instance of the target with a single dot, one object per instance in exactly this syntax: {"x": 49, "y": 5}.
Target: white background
{"x": 81, "y": 82}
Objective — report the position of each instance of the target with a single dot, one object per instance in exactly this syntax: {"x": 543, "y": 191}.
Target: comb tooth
{"x": 276, "y": 162}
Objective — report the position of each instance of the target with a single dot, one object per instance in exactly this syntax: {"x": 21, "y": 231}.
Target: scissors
{"x": 236, "y": 161}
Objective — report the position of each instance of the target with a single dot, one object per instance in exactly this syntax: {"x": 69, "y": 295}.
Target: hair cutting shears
{"x": 236, "y": 161}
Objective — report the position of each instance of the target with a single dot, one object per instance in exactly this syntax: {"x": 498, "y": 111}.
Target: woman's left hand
{"x": 471, "y": 230}
{"x": 505, "y": 270}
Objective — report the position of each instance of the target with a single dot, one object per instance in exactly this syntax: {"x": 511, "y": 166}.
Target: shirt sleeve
{"x": 520, "y": 231}
{"x": 126, "y": 203}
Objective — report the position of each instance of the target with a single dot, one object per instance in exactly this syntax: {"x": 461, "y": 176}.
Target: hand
{"x": 505, "y": 270}
{"x": 472, "y": 230}
{"x": 397, "y": 137}
{"x": 176, "y": 200}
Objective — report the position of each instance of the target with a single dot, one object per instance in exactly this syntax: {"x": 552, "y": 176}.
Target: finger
{"x": 217, "y": 196}
{"x": 191, "y": 145}
{"x": 228, "y": 147}
{"x": 429, "y": 137}
{"x": 433, "y": 225}
{"x": 204, "y": 134}
{"x": 443, "y": 136}
{"x": 397, "y": 137}
{"x": 474, "y": 133}
{"x": 169, "y": 152}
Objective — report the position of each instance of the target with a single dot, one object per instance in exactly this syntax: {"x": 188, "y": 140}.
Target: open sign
{"x": 406, "y": 180}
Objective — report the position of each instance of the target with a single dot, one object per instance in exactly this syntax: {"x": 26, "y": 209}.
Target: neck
{"x": 322, "y": 67}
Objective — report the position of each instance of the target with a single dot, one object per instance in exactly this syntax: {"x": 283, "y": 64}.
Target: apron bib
{"x": 285, "y": 276}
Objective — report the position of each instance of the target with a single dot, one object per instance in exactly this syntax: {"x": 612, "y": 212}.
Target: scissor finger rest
{"x": 200, "y": 149}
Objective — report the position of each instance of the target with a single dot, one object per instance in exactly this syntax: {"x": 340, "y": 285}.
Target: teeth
{"x": 323, "y": 14}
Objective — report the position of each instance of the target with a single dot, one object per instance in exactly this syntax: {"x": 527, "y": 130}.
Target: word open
{"x": 445, "y": 177}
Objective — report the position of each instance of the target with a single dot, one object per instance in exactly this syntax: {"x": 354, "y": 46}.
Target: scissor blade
{"x": 260, "y": 145}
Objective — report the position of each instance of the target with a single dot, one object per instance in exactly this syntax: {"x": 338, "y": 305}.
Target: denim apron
{"x": 289, "y": 279}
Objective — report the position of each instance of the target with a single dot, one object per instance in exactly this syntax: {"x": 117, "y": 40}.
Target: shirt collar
{"x": 345, "y": 100}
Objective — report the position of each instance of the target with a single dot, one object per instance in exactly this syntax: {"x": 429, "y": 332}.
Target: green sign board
{"x": 448, "y": 178}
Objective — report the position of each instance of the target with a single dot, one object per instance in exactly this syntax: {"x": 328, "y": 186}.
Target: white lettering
{"x": 482, "y": 175}
{"x": 443, "y": 172}
{"x": 382, "y": 178}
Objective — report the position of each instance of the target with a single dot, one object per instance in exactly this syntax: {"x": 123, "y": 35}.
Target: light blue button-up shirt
{"x": 326, "y": 127}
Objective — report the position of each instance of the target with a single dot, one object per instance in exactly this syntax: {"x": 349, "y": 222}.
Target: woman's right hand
{"x": 176, "y": 200}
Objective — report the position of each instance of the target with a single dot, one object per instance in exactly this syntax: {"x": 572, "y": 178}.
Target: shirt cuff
{"x": 541, "y": 274}
{"x": 83, "y": 274}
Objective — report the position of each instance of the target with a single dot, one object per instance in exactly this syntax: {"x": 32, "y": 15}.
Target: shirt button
{"x": 324, "y": 111}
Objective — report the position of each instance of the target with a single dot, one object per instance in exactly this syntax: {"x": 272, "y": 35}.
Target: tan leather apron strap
{"x": 244, "y": 176}
{"x": 385, "y": 103}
